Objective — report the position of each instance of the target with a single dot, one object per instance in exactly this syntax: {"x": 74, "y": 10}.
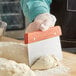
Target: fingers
{"x": 34, "y": 26}
{"x": 48, "y": 20}
{"x": 46, "y": 25}
{"x": 43, "y": 27}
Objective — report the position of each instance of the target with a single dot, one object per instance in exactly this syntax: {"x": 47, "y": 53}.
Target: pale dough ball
{"x": 11, "y": 68}
{"x": 14, "y": 51}
{"x": 44, "y": 62}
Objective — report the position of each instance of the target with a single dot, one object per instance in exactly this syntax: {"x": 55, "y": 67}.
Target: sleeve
{"x": 32, "y": 8}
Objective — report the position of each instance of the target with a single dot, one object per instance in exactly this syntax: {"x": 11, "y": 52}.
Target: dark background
{"x": 67, "y": 20}
{"x": 10, "y": 12}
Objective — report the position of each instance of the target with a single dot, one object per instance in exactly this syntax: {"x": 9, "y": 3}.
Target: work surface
{"x": 69, "y": 59}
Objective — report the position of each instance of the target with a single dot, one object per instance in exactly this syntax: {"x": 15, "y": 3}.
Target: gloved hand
{"x": 48, "y": 20}
{"x": 42, "y": 22}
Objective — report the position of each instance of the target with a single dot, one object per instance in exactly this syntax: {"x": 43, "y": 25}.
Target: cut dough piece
{"x": 14, "y": 51}
{"x": 44, "y": 62}
{"x": 11, "y": 68}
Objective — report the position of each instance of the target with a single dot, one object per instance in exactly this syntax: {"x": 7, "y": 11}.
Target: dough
{"x": 11, "y": 68}
{"x": 14, "y": 51}
{"x": 18, "y": 52}
{"x": 44, "y": 62}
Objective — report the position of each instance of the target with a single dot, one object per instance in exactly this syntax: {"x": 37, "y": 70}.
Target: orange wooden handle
{"x": 41, "y": 35}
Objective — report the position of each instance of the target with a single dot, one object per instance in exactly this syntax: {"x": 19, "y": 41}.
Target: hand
{"x": 34, "y": 26}
{"x": 42, "y": 22}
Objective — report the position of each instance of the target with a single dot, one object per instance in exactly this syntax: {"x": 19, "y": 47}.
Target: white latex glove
{"x": 42, "y": 22}
{"x": 48, "y": 20}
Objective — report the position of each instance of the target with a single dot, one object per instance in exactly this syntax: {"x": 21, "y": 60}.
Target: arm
{"x": 32, "y": 8}
{"x": 38, "y": 12}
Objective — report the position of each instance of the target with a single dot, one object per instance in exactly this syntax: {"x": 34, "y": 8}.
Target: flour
{"x": 57, "y": 71}
{"x": 17, "y": 52}
{"x": 11, "y": 68}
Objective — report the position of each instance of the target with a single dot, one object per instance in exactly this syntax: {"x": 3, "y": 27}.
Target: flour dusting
{"x": 57, "y": 71}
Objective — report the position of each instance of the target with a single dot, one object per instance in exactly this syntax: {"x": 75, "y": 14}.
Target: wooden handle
{"x": 41, "y": 35}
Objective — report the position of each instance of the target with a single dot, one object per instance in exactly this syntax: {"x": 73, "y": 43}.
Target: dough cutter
{"x": 40, "y": 43}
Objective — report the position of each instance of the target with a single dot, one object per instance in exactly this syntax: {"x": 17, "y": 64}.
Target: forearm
{"x": 35, "y": 7}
